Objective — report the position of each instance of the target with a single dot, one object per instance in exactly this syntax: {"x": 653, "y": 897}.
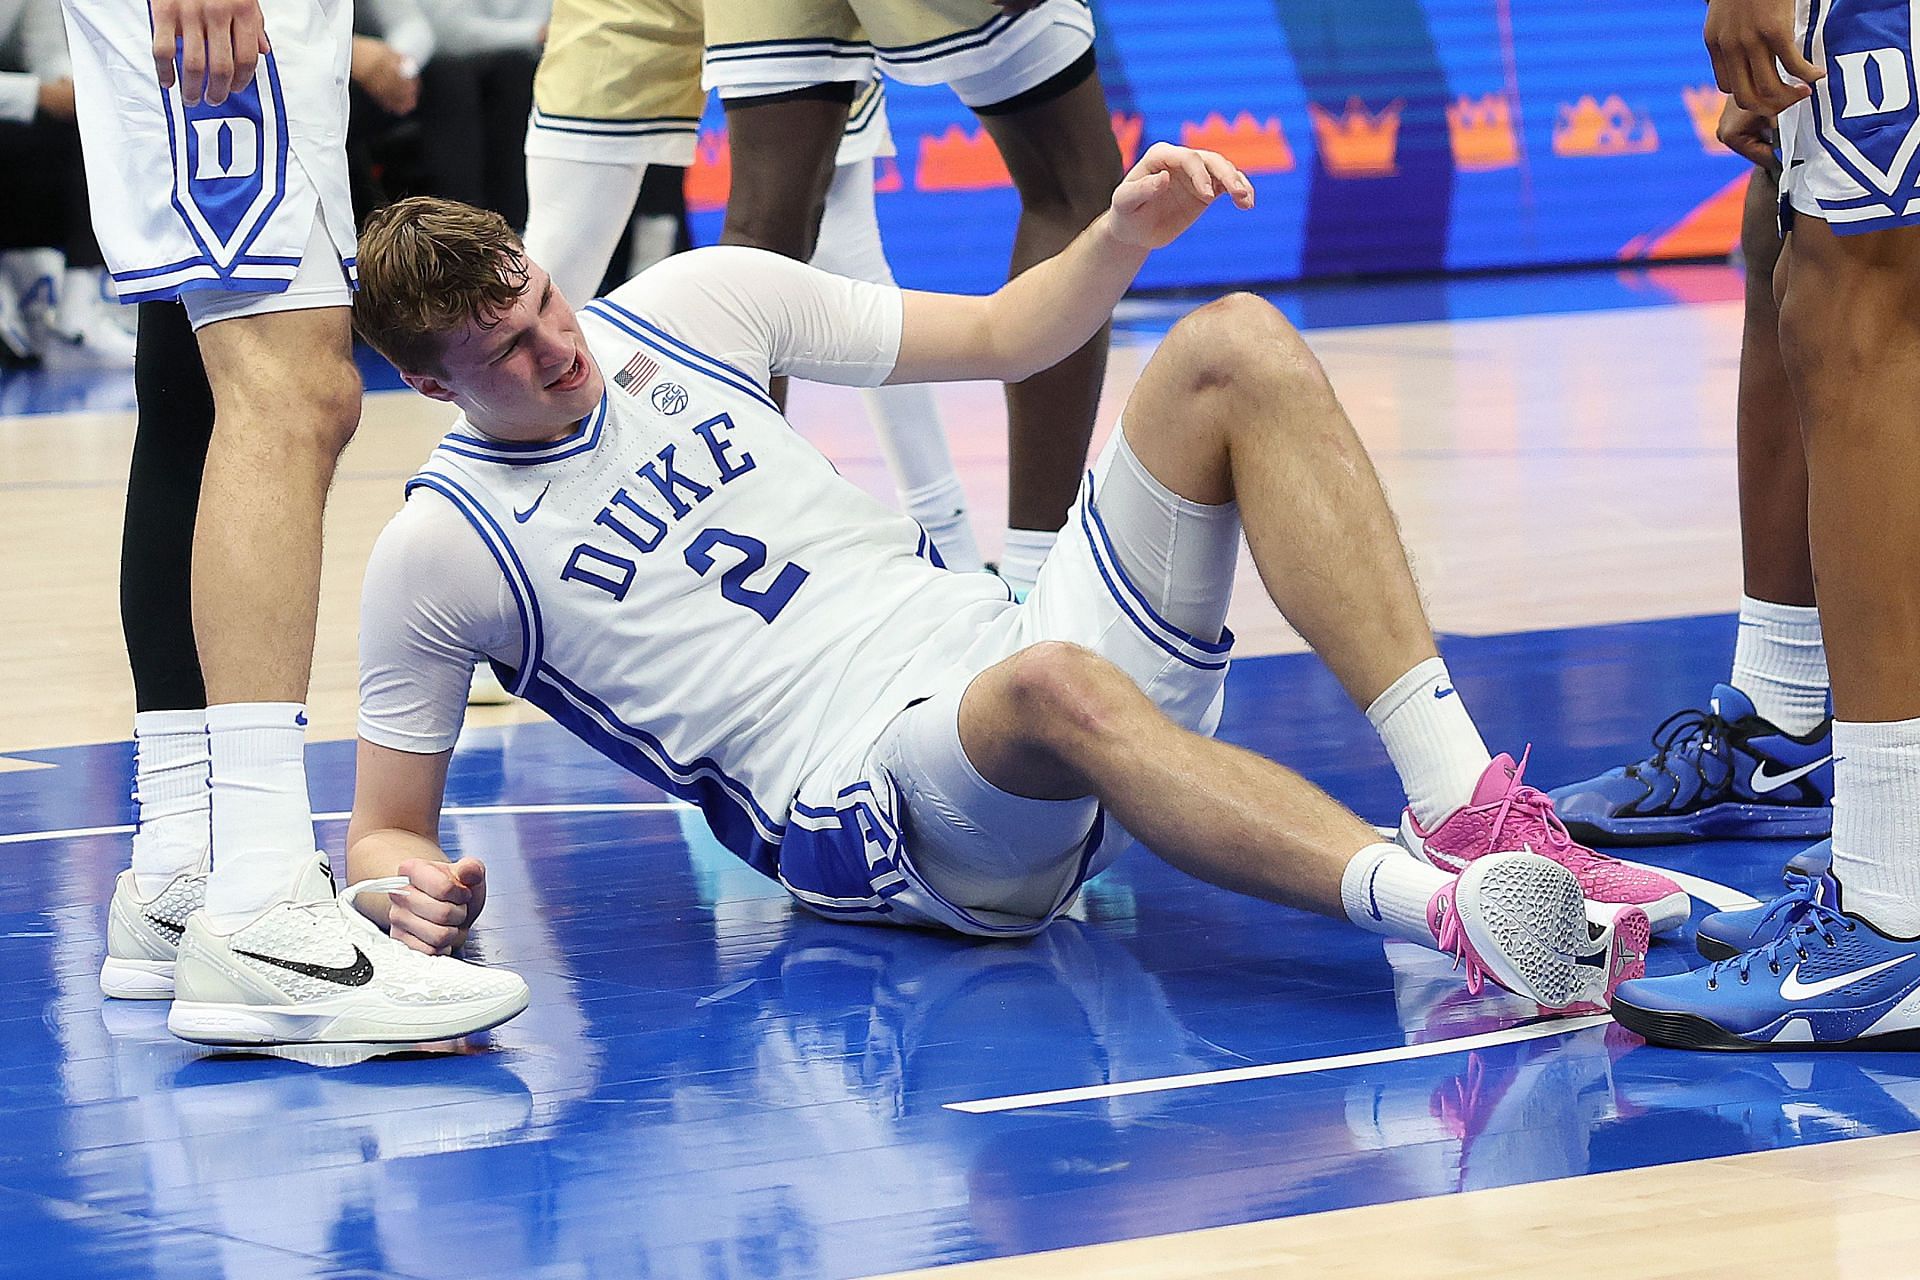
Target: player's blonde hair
{"x": 428, "y": 267}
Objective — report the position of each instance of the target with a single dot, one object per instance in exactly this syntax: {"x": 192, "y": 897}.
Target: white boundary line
{"x": 1271, "y": 1071}
{"x": 454, "y": 811}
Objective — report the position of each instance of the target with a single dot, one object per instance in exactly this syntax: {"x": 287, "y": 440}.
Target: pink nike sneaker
{"x": 1520, "y": 920}
{"x": 1506, "y": 815}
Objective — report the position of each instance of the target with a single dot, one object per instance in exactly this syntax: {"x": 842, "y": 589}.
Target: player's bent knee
{"x": 1067, "y": 693}
{"x": 1242, "y": 341}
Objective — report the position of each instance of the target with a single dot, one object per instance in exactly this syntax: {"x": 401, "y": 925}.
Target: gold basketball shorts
{"x": 755, "y": 47}
{"x": 619, "y": 83}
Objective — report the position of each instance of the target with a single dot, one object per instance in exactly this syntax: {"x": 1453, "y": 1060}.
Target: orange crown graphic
{"x": 886, "y": 175}
{"x": 959, "y": 160}
{"x": 1253, "y": 146}
{"x": 1126, "y": 131}
{"x": 1610, "y": 128}
{"x": 1481, "y": 131}
{"x": 1704, "y": 104}
{"x": 711, "y": 176}
{"x": 1358, "y": 143}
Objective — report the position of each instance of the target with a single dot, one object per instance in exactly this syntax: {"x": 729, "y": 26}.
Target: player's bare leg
{"x": 1775, "y": 558}
{"x": 286, "y": 401}
{"x": 1235, "y": 408}
{"x": 782, "y": 148}
{"x": 1065, "y": 164}
{"x": 1852, "y": 345}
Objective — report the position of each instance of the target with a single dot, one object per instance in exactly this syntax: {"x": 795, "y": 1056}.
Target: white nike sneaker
{"x": 143, "y": 936}
{"x": 319, "y": 971}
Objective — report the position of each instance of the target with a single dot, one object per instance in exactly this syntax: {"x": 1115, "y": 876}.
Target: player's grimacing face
{"x": 530, "y": 374}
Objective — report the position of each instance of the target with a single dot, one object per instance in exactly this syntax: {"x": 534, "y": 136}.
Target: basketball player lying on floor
{"x": 624, "y": 524}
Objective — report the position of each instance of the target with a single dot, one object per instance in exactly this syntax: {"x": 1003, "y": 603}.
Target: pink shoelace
{"x": 1538, "y": 823}
{"x": 1452, "y": 938}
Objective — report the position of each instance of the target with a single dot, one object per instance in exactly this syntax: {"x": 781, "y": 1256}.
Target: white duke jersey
{"x": 697, "y": 592}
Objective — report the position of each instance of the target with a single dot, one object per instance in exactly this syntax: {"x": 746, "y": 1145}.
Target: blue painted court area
{"x": 711, "y": 1083}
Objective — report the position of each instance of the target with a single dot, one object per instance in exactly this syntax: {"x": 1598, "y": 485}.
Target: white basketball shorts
{"x": 1849, "y": 150}
{"x": 215, "y": 197}
{"x": 1142, "y": 577}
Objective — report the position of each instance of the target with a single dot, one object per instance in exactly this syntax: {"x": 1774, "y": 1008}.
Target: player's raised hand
{"x": 439, "y": 904}
{"x": 216, "y": 43}
{"x": 1744, "y": 39}
{"x": 1171, "y": 187}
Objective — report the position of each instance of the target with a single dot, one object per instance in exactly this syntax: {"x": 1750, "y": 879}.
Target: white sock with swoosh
{"x": 1876, "y": 823}
{"x": 1433, "y": 743}
{"x": 1386, "y": 890}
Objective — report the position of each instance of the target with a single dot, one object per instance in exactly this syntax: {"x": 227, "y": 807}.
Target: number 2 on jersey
{"x": 753, "y": 558}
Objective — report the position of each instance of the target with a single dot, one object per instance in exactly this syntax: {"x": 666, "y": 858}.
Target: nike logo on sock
{"x": 1443, "y": 693}
{"x": 357, "y": 974}
{"x": 1791, "y": 988}
{"x": 521, "y": 517}
{"x": 1373, "y": 903}
{"x": 1763, "y": 781}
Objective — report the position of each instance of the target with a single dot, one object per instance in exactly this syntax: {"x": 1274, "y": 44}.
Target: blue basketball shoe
{"x": 1829, "y": 981}
{"x": 1725, "y": 934}
{"x": 1715, "y": 774}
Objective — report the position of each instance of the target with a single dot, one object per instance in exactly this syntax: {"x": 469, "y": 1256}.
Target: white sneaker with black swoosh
{"x": 316, "y": 970}
{"x": 143, "y": 936}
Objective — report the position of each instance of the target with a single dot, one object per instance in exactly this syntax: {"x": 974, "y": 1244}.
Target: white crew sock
{"x": 172, "y": 807}
{"x": 915, "y": 446}
{"x": 1431, "y": 740}
{"x": 1386, "y": 890}
{"x": 1780, "y": 662}
{"x": 1025, "y": 551}
{"x": 262, "y": 817}
{"x": 941, "y": 509}
{"x": 1876, "y": 823}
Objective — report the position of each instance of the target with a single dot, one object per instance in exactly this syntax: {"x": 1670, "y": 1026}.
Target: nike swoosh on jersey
{"x": 357, "y": 974}
{"x": 1791, "y": 988}
{"x": 1763, "y": 782}
{"x": 521, "y": 517}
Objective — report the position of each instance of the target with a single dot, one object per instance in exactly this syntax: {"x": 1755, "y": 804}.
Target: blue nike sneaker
{"x": 1829, "y": 981}
{"x": 1725, "y": 934}
{"x": 1722, "y": 773}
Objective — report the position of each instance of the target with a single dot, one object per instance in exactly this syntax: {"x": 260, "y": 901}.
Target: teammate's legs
{"x": 1065, "y": 163}
{"x": 1852, "y": 346}
{"x": 286, "y": 401}
{"x": 173, "y": 832}
{"x": 1751, "y": 759}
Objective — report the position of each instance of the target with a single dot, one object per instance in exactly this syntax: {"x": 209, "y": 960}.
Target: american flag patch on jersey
{"x": 638, "y": 373}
